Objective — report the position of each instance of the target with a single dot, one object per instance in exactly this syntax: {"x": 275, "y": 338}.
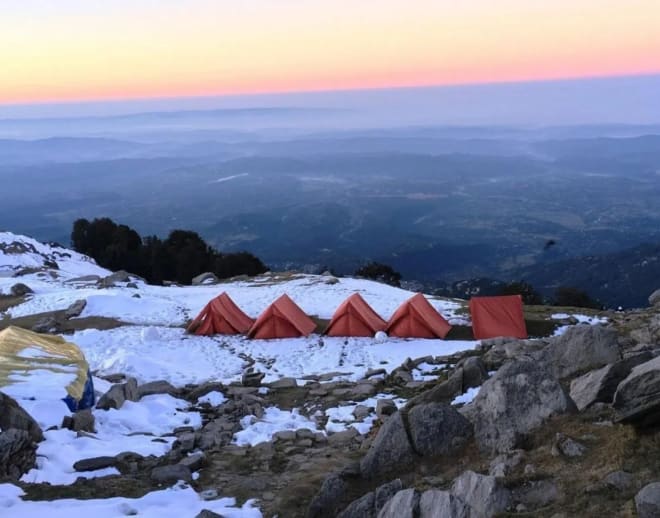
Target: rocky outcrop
{"x": 17, "y": 453}
{"x": 404, "y": 504}
{"x": 582, "y": 348}
{"x": 482, "y": 493}
{"x": 442, "y": 504}
{"x": 13, "y": 416}
{"x": 437, "y": 429}
{"x": 647, "y": 501}
{"x": 390, "y": 450}
{"x": 515, "y": 401}
{"x": 601, "y": 384}
{"x": 637, "y": 398}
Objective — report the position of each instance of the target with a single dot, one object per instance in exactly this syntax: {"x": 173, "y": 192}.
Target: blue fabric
{"x": 86, "y": 401}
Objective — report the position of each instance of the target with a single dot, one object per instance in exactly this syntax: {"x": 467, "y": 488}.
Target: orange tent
{"x": 416, "y": 318}
{"x": 282, "y": 319}
{"x": 221, "y": 316}
{"x": 498, "y": 316}
{"x": 354, "y": 317}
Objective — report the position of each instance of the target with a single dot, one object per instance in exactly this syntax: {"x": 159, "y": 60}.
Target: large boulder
{"x": 484, "y": 494}
{"x": 18, "y": 453}
{"x": 442, "y": 504}
{"x": 647, "y": 501}
{"x": 600, "y": 385}
{"x": 515, "y": 401}
{"x": 404, "y": 504}
{"x": 654, "y": 298}
{"x": 118, "y": 394}
{"x": 437, "y": 429}
{"x": 582, "y": 348}
{"x": 637, "y": 398}
{"x": 390, "y": 450}
{"x": 13, "y": 416}
{"x": 326, "y": 503}
{"x": 110, "y": 280}
{"x": 474, "y": 372}
{"x": 75, "y": 309}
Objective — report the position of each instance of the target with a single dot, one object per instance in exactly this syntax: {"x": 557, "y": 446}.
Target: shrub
{"x": 379, "y": 272}
{"x": 570, "y": 296}
{"x": 529, "y": 295}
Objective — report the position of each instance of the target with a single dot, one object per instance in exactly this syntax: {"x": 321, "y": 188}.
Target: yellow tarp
{"x": 22, "y": 351}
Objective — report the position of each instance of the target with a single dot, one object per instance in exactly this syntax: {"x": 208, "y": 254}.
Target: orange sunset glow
{"x": 79, "y": 50}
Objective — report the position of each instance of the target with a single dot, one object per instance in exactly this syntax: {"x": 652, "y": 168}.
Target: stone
{"x": 369, "y": 505}
{"x": 205, "y": 513}
{"x": 537, "y": 493}
{"x": 185, "y": 442}
{"x": 390, "y": 449}
{"x": 360, "y": 412}
{"x": 505, "y": 463}
{"x": 375, "y": 372}
{"x": 404, "y": 504}
{"x": 194, "y": 462}
{"x": 84, "y": 279}
{"x": 205, "y": 278}
{"x": 654, "y": 298}
{"x": 343, "y": 437}
{"x": 619, "y": 480}
{"x": 47, "y": 324}
{"x": 474, "y": 372}
{"x": 157, "y": 387}
{"x": 567, "y": 447}
{"x": 582, "y": 348}
{"x": 483, "y": 493}
{"x": 251, "y": 378}
{"x": 80, "y": 421}
{"x": 94, "y": 463}
{"x": 385, "y": 407}
{"x": 326, "y": 502}
{"x": 75, "y": 309}
{"x": 171, "y": 473}
{"x": 444, "y": 392}
{"x": 118, "y": 393}
{"x": 520, "y": 397}
{"x": 283, "y": 383}
{"x": 637, "y": 398}
{"x": 599, "y": 386}
{"x": 437, "y": 429}
{"x": 17, "y": 453}
{"x": 442, "y": 504}
{"x": 110, "y": 280}
{"x": 19, "y": 290}
{"x": 647, "y": 501}
{"x": 12, "y": 415}
{"x": 285, "y": 435}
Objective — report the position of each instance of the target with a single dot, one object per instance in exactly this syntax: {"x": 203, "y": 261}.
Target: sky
{"x": 83, "y": 50}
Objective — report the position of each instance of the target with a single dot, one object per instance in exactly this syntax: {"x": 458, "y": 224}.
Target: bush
{"x": 180, "y": 257}
{"x": 529, "y": 295}
{"x": 379, "y": 272}
{"x": 570, "y": 296}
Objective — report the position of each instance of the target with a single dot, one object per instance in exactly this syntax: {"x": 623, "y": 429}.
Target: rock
{"x": 82, "y": 420}
{"x": 119, "y": 393}
{"x": 84, "y": 278}
{"x": 284, "y": 435}
{"x": 601, "y": 384}
{"x": 385, "y": 407}
{"x": 185, "y": 442}
{"x": 283, "y": 383}
{"x": 503, "y": 464}
{"x": 515, "y": 401}
{"x": 360, "y": 412}
{"x": 94, "y": 463}
{"x": 637, "y": 398}
{"x": 442, "y": 504}
{"x": 654, "y": 298}
{"x": 172, "y": 473}
{"x": 374, "y": 372}
{"x": 537, "y": 493}
{"x": 444, "y": 392}
{"x": 474, "y": 372}
{"x": 195, "y": 461}
{"x": 326, "y": 502}
{"x": 75, "y": 309}
{"x": 205, "y": 513}
{"x": 12, "y": 415}
{"x": 205, "y": 278}
{"x": 567, "y": 447}
{"x": 110, "y": 280}
{"x": 390, "y": 449}
{"x": 369, "y": 505}
{"x": 17, "y": 453}
{"x": 46, "y": 324}
{"x": 252, "y": 378}
{"x": 343, "y": 437}
{"x": 647, "y": 501}
{"x": 404, "y": 504}
{"x": 19, "y": 290}
{"x": 582, "y": 348}
{"x": 483, "y": 493}
{"x": 157, "y": 387}
{"x": 619, "y": 480}
{"x": 437, "y": 429}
